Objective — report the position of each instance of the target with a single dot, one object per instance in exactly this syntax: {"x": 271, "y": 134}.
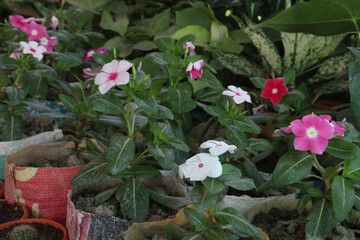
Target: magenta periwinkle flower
{"x": 89, "y": 55}
{"x": 312, "y": 133}
{"x": 274, "y": 90}
{"x": 35, "y": 31}
{"x": 18, "y": 21}
{"x": 195, "y": 69}
{"x": 339, "y": 129}
{"x": 114, "y": 73}
{"x": 48, "y": 42}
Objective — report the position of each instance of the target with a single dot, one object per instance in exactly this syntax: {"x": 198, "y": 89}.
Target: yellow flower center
{"x": 311, "y": 132}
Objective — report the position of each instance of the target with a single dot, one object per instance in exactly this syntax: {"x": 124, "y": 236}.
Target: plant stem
{"x": 321, "y": 170}
{"x": 128, "y": 118}
{"x": 78, "y": 134}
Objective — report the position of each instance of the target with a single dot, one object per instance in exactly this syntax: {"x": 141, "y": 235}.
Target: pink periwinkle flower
{"x": 274, "y": 90}
{"x": 17, "y": 53}
{"x": 18, "y": 21}
{"x": 48, "y": 42}
{"x": 54, "y": 22}
{"x": 35, "y": 31}
{"x": 195, "y": 69}
{"x": 339, "y": 129}
{"x": 312, "y": 133}
{"x": 89, "y": 55}
{"x": 88, "y": 72}
{"x": 191, "y": 47}
{"x": 114, "y": 73}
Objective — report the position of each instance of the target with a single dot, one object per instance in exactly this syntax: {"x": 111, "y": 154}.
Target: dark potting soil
{"x": 43, "y": 231}
{"x": 10, "y": 212}
{"x": 66, "y": 161}
{"x": 282, "y": 224}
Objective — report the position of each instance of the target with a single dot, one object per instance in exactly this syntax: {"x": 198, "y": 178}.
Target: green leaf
{"x": 169, "y": 201}
{"x": 202, "y": 199}
{"x": 202, "y": 34}
{"x": 160, "y": 22}
{"x": 174, "y": 232}
{"x": 104, "y": 196}
{"x": 163, "y": 113}
{"x": 218, "y": 32}
{"x": 315, "y": 192}
{"x": 292, "y": 167}
{"x": 145, "y": 45}
{"x": 321, "y": 220}
{"x": 230, "y": 170}
{"x": 342, "y": 196}
{"x": 237, "y": 137}
{"x": 342, "y": 149}
{"x": 146, "y": 102}
{"x": 145, "y": 171}
{"x": 77, "y": 90}
{"x": 134, "y": 199}
{"x": 213, "y": 185}
{"x": 70, "y": 103}
{"x": 177, "y": 143}
{"x": 215, "y": 234}
{"x": 212, "y": 110}
{"x": 352, "y": 168}
{"x": 38, "y": 87}
{"x": 326, "y": 17}
{"x": 301, "y": 204}
{"x": 91, "y": 5}
{"x": 258, "y": 82}
{"x": 241, "y": 122}
{"x": 119, "y": 25}
{"x": 239, "y": 222}
{"x": 197, "y": 219}
{"x": 357, "y": 199}
{"x": 11, "y": 129}
{"x": 356, "y": 52}
{"x": 354, "y": 84}
{"x": 193, "y": 16}
{"x": 108, "y": 103}
{"x": 181, "y": 101}
{"x": 163, "y": 154}
{"x": 92, "y": 173}
{"x": 209, "y": 80}
{"x": 241, "y": 184}
{"x": 259, "y": 144}
{"x": 121, "y": 152}
{"x": 253, "y": 173}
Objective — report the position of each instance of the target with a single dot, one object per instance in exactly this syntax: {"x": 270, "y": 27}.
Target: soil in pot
{"x": 42, "y": 231}
{"x": 65, "y": 161}
{"x": 10, "y": 212}
{"x": 282, "y": 224}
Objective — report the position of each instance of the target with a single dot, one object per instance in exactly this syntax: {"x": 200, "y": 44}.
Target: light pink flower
{"x": 200, "y": 166}
{"x": 34, "y": 49}
{"x": 17, "y": 53}
{"x": 35, "y": 31}
{"x": 18, "y": 21}
{"x": 191, "y": 47}
{"x": 312, "y": 133}
{"x": 54, "y": 22}
{"x": 48, "y": 42}
{"x": 89, "y": 55}
{"x": 238, "y": 94}
{"x": 339, "y": 129}
{"x": 88, "y": 72}
{"x": 195, "y": 69}
{"x": 32, "y": 19}
{"x": 114, "y": 73}
{"x": 274, "y": 90}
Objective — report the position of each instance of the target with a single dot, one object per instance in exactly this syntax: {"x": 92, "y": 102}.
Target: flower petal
{"x": 209, "y": 144}
{"x": 325, "y": 130}
{"x": 298, "y": 128}
{"x": 276, "y": 98}
{"x": 101, "y": 78}
{"x": 213, "y": 168}
{"x": 319, "y": 145}
{"x": 311, "y": 120}
{"x": 238, "y": 99}
{"x": 123, "y": 66}
{"x": 199, "y": 175}
{"x": 188, "y": 169}
{"x": 218, "y": 150}
{"x": 302, "y": 143}
{"x": 233, "y": 88}
{"x": 122, "y": 78}
{"x": 195, "y": 159}
{"x": 278, "y": 82}
{"x": 266, "y": 93}
{"x": 228, "y": 93}
{"x": 111, "y": 67}
{"x": 189, "y": 67}
{"x": 269, "y": 84}
{"x": 106, "y": 86}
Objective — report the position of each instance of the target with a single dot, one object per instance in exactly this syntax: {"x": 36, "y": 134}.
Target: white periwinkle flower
{"x": 34, "y": 49}
{"x": 200, "y": 166}
{"x": 238, "y": 94}
{"x": 218, "y": 147}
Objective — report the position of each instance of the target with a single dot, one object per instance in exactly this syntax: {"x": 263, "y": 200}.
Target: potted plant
{"x": 31, "y": 229}
{"x": 11, "y": 211}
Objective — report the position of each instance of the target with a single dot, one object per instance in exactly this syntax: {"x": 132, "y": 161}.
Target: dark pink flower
{"x": 54, "y": 22}
{"x": 48, "y": 42}
{"x": 312, "y": 133}
{"x": 195, "y": 69}
{"x": 339, "y": 129}
{"x": 18, "y": 21}
{"x": 17, "y": 53}
{"x": 191, "y": 47}
{"x": 89, "y": 55}
{"x": 35, "y": 31}
{"x": 274, "y": 90}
